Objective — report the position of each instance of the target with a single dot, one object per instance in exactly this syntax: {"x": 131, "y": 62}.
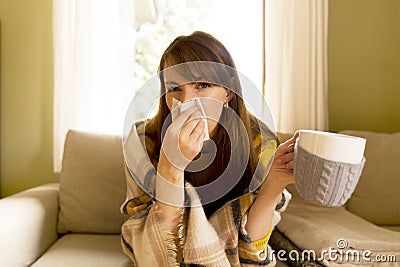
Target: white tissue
{"x": 178, "y": 107}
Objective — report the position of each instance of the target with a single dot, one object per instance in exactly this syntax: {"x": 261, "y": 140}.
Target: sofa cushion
{"x": 316, "y": 228}
{"x": 392, "y": 228}
{"x": 92, "y": 184}
{"x": 376, "y": 197}
{"x": 85, "y": 250}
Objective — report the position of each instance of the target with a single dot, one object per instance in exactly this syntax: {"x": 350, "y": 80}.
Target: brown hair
{"x": 200, "y": 46}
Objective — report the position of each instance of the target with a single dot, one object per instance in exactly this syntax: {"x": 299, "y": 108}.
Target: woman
{"x": 171, "y": 224}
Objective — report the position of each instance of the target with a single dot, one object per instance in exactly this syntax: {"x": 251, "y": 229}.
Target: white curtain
{"x": 93, "y": 67}
{"x": 296, "y": 65}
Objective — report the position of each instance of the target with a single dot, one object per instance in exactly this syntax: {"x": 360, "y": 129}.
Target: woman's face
{"x": 211, "y": 96}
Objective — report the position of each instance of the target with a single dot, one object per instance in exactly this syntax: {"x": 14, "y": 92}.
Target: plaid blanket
{"x": 219, "y": 241}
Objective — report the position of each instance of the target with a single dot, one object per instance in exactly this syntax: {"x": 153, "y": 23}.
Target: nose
{"x": 187, "y": 92}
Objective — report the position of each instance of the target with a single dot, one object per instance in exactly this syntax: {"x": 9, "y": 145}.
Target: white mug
{"x": 332, "y": 146}
{"x": 327, "y": 166}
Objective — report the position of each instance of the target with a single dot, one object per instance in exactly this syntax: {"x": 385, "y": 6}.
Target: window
{"x": 102, "y": 57}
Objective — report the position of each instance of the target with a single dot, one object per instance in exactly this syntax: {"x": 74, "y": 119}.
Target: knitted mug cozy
{"x": 324, "y": 182}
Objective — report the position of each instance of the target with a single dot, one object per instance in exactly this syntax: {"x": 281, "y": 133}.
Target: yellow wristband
{"x": 262, "y": 243}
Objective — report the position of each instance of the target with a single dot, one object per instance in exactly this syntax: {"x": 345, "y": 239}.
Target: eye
{"x": 203, "y": 85}
{"x": 173, "y": 89}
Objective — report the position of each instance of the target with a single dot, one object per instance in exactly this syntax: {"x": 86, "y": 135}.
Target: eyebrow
{"x": 198, "y": 79}
{"x": 193, "y": 78}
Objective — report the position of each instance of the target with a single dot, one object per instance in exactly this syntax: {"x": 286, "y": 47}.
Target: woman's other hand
{"x": 281, "y": 172}
{"x": 280, "y": 175}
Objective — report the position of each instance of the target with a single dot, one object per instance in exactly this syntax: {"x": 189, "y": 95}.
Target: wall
{"x": 364, "y": 80}
{"x": 26, "y": 94}
{"x": 364, "y": 65}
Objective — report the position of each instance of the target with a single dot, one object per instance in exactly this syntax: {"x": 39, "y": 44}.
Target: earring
{"x": 226, "y": 105}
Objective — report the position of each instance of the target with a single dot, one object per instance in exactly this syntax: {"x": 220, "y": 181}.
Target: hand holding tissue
{"x": 178, "y": 107}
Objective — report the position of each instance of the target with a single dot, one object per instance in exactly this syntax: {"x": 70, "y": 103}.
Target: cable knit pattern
{"x": 351, "y": 183}
{"x": 324, "y": 182}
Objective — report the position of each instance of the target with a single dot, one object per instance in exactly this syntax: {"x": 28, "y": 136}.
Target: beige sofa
{"x": 77, "y": 222}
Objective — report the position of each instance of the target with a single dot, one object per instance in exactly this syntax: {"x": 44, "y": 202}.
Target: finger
{"x": 284, "y": 159}
{"x": 284, "y": 149}
{"x": 295, "y": 136}
{"x": 287, "y": 146}
{"x": 184, "y": 116}
{"x": 200, "y": 140}
{"x": 188, "y": 128}
{"x": 293, "y": 139}
{"x": 290, "y": 165}
{"x": 195, "y": 115}
{"x": 197, "y": 131}
{"x": 290, "y": 148}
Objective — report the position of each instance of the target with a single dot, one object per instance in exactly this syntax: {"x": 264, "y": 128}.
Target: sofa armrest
{"x": 28, "y": 223}
{"x": 316, "y": 228}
